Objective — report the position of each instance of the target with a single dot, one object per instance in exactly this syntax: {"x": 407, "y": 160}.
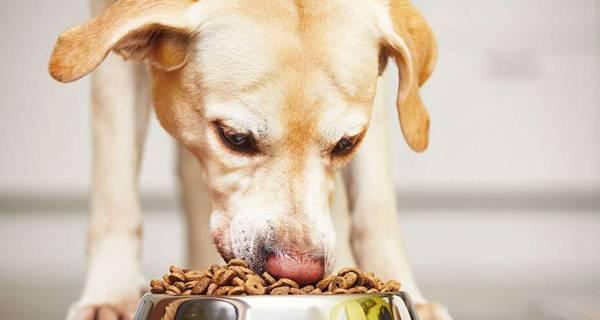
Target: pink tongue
{"x": 302, "y": 270}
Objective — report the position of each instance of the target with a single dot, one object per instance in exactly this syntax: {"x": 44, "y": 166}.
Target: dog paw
{"x": 432, "y": 311}
{"x": 109, "y": 295}
{"x": 117, "y": 301}
{"x": 121, "y": 311}
{"x": 114, "y": 282}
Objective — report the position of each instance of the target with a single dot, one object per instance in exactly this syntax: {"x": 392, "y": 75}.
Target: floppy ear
{"x": 157, "y": 30}
{"x": 410, "y": 41}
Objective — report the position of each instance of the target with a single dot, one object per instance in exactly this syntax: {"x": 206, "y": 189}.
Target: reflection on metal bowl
{"x": 382, "y": 306}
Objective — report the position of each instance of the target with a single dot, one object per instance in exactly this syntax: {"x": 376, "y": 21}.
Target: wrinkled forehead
{"x": 269, "y": 56}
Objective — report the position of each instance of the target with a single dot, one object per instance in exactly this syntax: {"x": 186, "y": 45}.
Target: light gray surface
{"x": 505, "y": 265}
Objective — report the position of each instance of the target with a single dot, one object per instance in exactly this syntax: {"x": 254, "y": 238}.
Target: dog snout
{"x": 286, "y": 247}
{"x": 292, "y": 253}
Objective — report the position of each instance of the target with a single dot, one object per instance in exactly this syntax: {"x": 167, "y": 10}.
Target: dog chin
{"x": 254, "y": 256}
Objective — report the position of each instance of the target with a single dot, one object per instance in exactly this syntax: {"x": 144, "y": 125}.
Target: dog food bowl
{"x": 380, "y": 306}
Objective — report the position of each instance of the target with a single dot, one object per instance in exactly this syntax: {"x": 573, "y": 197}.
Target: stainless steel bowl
{"x": 383, "y": 306}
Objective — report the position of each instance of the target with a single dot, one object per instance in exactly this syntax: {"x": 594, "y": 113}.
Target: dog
{"x": 282, "y": 131}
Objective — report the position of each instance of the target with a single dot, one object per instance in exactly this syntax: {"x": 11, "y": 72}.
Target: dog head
{"x": 272, "y": 97}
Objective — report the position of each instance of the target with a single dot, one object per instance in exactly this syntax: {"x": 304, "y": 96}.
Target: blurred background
{"x": 501, "y": 215}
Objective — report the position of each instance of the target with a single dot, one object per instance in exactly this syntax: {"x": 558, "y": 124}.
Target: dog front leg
{"x": 120, "y": 107}
{"x": 197, "y": 209}
{"x": 376, "y": 238}
{"x": 340, "y": 215}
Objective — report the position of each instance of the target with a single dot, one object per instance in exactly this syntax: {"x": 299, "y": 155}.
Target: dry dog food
{"x": 236, "y": 279}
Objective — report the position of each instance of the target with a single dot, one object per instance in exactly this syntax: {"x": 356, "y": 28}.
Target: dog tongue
{"x": 303, "y": 270}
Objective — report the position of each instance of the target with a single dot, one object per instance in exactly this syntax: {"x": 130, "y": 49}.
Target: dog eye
{"x": 237, "y": 141}
{"x": 344, "y": 146}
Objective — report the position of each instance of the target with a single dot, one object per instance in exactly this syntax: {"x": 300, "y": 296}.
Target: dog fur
{"x": 296, "y": 75}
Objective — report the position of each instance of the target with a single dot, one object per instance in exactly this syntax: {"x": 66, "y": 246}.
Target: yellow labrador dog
{"x": 269, "y": 99}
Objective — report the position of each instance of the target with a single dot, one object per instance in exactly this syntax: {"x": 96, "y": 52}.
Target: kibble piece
{"x": 175, "y": 269}
{"x": 194, "y": 275}
{"x": 164, "y": 284}
{"x": 268, "y": 278}
{"x": 308, "y": 288}
{"x": 257, "y": 278}
{"x": 207, "y": 271}
{"x": 155, "y": 283}
{"x": 280, "y": 291}
{"x": 352, "y": 275}
{"x": 274, "y": 285}
{"x": 158, "y": 290}
{"x": 361, "y": 289}
{"x": 224, "y": 276}
{"x": 360, "y": 280}
{"x": 236, "y": 291}
{"x": 180, "y": 286}
{"x": 297, "y": 291}
{"x": 350, "y": 278}
{"x": 211, "y": 289}
{"x": 246, "y": 270}
{"x": 330, "y": 287}
{"x": 254, "y": 287}
{"x": 380, "y": 284}
{"x": 187, "y": 292}
{"x": 222, "y": 291}
{"x": 237, "y": 262}
{"x": 355, "y": 290}
{"x": 201, "y": 286}
{"x": 316, "y": 291}
{"x": 370, "y": 281}
{"x": 214, "y": 268}
{"x": 218, "y": 273}
{"x": 340, "y": 291}
{"x": 344, "y": 271}
{"x": 240, "y": 272}
{"x": 173, "y": 289}
{"x": 340, "y": 283}
{"x": 373, "y": 290}
{"x": 176, "y": 277}
{"x": 391, "y": 286}
{"x": 191, "y": 284}
{"x": 166, "y": 279}
{"x": 324, "y": 284}
{"x": 288, "y": 282}
{"x": 395, "y": 285}
{"x": 238, "y": 282}
{"x": 171, "y": 293}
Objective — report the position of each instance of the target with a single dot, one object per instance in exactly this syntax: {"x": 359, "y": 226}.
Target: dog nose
{"x": 302, "y": 269}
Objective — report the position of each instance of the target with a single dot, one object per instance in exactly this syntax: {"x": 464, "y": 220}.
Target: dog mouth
{"x": 304, "y": 268}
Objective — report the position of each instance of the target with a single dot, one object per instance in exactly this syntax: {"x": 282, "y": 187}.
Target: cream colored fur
{"x": 298, "y": 74}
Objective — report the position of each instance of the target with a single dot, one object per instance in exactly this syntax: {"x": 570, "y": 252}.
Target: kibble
{"x": 236, "y": 279}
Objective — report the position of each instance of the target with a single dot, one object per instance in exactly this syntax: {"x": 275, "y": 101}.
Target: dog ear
{"x": 410, "y": 41}
{"x": 154, "y": 30}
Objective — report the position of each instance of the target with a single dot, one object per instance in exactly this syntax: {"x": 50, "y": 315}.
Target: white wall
{"x": 514, "y": 101}
{"x": 44, "y": 125}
